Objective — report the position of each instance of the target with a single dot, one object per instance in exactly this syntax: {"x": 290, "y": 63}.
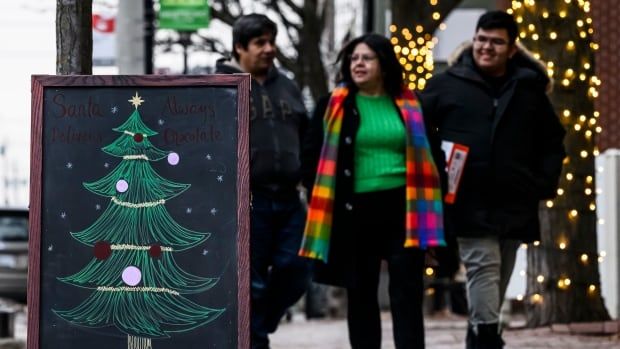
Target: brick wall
{"x": 606, "y": 14}
{"x": 503, "y": 4}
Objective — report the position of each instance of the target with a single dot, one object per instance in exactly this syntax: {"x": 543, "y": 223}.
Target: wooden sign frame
{"x": 40, "y": 83}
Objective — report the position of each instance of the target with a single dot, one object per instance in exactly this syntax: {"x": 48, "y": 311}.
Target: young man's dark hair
{"x": 499, "y": 20}
{"x": 250, "y": 26}
{"x": 391, "y": 68}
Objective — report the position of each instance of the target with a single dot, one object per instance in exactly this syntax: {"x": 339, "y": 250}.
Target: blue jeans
{"x": 279, "y": 276}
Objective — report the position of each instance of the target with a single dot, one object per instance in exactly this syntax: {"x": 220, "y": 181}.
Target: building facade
{"x": 605, "y": 14}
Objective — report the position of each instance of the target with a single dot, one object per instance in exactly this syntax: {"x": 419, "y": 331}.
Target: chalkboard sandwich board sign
{"x": 139, "y": 212}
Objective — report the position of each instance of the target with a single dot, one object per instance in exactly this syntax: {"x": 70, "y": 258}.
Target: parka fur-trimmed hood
{"x": 522, "y": 58}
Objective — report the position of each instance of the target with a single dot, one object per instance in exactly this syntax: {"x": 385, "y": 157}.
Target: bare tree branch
{"x": 298, "y": 10}
{"x": 211, "y": 44}
{"x": 322, "y": 18}
{"x": 223, "y": 13}
{"x": 292, "y": 30}
{"x": 285, "y": 20}
{"x": 286, "y": 62}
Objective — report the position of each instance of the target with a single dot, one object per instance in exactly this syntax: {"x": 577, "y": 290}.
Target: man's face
{"x": 257, "y": 58}
{"x": 492, "y": 50}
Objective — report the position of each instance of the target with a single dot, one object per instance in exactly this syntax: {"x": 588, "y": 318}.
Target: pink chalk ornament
{"x": 132, "y": 276}
{"x": 122, "y": 186}
{"x": 173, "y": 159}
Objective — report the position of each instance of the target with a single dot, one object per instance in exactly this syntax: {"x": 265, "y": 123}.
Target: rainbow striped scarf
{"x": 424, "y": 218}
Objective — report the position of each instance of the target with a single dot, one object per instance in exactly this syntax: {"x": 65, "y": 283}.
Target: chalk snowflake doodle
{"x": 136, "y": 284}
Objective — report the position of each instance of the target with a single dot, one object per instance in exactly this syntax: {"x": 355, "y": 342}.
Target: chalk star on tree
{"x": 136, "y": 100}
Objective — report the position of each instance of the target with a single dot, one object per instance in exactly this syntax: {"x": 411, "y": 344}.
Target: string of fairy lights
{"x": 414, "y": 48}
{"x": 580, "y": 124}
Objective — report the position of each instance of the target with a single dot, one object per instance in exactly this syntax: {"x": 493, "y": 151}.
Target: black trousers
{"x": 379, "y": 234}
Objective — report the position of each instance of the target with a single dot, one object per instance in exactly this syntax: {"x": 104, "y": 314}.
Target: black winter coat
{"x": 515, "y": 145}
{"x": 335, "y": 272}
{"x": 278, "y": 123}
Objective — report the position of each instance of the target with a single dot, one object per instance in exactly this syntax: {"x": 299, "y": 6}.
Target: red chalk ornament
{"x": 103, "y": 250}
{"x": 138, "y": 137}
{"x": 155, "y": 251}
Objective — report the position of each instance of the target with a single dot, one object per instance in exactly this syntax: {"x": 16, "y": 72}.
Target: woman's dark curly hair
{"x": 391, "y": 69}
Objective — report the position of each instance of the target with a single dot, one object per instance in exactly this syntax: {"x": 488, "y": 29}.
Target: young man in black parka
{"x": 493, "y": 99}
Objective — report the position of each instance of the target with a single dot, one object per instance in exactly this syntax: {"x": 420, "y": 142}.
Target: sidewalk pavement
{"x": 440, "y": 334}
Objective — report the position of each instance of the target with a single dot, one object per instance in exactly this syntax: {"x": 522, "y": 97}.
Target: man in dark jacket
{"x": 493, "y": 100}
{"x": 278, "y": 120}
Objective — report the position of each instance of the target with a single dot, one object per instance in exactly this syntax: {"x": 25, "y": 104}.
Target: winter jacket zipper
{"x": 494, "y": 110}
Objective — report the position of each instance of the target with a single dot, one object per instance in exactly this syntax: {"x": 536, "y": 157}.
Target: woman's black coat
{"x": 339, "y": 257}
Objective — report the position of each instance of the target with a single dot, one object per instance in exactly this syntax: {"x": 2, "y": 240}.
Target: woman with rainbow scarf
{"x": 376, "y": 193}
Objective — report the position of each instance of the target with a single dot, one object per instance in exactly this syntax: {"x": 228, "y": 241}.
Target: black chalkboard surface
{"x": 139, "y": 212}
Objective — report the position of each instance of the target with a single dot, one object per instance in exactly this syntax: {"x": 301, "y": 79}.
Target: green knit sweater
{"x": 379, "y": 146}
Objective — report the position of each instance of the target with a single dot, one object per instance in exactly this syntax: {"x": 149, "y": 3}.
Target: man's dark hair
{"x": 499, "y": 20}
{"x": 391, "y": 69}
{"x": 250, "y": 26}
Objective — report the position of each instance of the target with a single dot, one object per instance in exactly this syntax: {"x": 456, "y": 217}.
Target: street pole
{"x": 185, "y": 39}
{"x": 5, "y": 176}
{"x": 130, "y": 49}
{"x": 380, "y": 9}
{"x": 369, "y": 16}
{"x": 149, "y": 35}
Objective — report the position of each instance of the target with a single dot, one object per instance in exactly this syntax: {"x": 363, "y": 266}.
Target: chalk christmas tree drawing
{"x": 136, "y": 284}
